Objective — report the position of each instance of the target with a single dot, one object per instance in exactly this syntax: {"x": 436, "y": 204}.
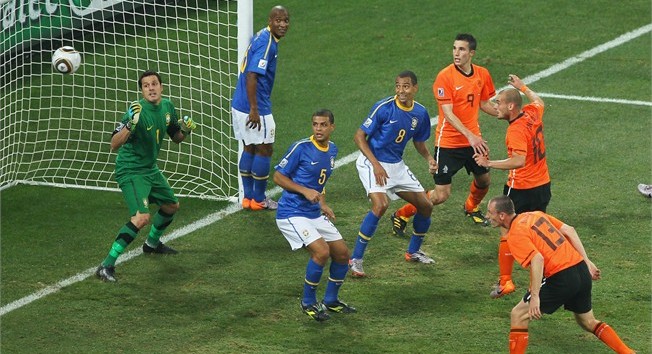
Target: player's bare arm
{"x": 571, "y": 235}
{"x": 325, "y": 209}
{"x": 518, "y": 84}
{"x": 252, "y": 86}
{"x": 536, "y": 277}
{"x": 488, "y": 107}
{"x": 477, "y": 143}
{"x": 514, "y": 162}
{"x": 286, "y": 183}
{"x": 380, "y": 174}
{"x": 422, "y": 149}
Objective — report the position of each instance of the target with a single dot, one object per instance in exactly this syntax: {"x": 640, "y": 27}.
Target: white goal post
{"x": 55, "y": 129}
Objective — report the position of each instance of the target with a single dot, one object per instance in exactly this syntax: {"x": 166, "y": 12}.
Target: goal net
{"x": 56, "y": 129}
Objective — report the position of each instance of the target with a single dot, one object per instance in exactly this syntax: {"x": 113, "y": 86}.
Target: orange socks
{"x": 505, "y": 261}
{"x": 406, "y": 211}
{"x": 518, "y": 338}
{"x": 475, "y": 197}
{"x": 607, "y": 335}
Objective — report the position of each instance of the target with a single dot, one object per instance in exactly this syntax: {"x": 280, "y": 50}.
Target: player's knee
{"x": 170, "y": 209}
{"x": 483, "y": 181}
{"x": 379, "y": 208}
{"x": 519, "y": 315}
{"x": 265, "y": 150}
{"x": 321, "y": 256}
{"x": 140, "y": 220}
{"x": 439, "y": 196}
{"x": 587, "y": 323}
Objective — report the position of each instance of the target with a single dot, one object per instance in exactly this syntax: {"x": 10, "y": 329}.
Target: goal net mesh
{"x": 56, "y": 129}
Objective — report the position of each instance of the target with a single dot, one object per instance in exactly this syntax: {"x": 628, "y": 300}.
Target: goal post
{"x": 56, "y": 129}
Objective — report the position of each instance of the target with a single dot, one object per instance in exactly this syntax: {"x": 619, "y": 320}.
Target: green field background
{"x": 235, "y": 286}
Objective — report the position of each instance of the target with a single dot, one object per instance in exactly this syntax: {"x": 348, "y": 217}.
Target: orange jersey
{"x": 464, "y": 92}
{"x": 537, "y": 231}
{"x": 525, "y": 137}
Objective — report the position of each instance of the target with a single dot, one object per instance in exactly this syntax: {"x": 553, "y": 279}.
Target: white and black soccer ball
{"x": 66, "y": 60}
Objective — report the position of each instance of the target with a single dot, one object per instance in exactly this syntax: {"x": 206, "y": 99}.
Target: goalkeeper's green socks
{"x": 159, "y": 224}
{"x": 126, "y": 235}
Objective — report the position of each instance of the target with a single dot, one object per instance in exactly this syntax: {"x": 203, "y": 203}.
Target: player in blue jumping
{"x": 382, "y": 138}
{"x": 305, "y": 219}
{"x": 251, "y": 109}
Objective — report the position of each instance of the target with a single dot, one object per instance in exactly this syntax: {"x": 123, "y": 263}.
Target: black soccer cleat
{"x": 106, "y": 273}
{"x": 160, "y": 249}
{"x": 340, "y": 307}
{"x": 316, "y": 311}
{"x": 398, "y": 225}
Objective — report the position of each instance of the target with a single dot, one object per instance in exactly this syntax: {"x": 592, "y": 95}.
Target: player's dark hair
{"x": 467, "y": 38}
{"x": 148, "y": 73}
{"x": 325, "y": 113}
{"x": 410, "y": 74}
{"x": 503, "y": 204}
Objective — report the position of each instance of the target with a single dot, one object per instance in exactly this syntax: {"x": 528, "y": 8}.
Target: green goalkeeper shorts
{"x": 139, "y": 190}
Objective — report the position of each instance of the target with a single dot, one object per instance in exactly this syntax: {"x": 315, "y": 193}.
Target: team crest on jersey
{"x": 414, "y": 123}
{"x": 332, "y": 162}
{"x": 283, "y": 163}
{"x": 145, "y": 202}
{"x": 440, "y": 92}
{"x": 367, "y": 123}
{"x": 167, "y": 118}
{"x": 262, "y": 64}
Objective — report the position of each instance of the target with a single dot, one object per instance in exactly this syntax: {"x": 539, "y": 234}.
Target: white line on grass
{"x": 214, "y": 217}
{"x": 596, "y": 99}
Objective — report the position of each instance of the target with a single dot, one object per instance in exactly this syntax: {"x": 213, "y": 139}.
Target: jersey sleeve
{"x": 488, "y": 90}
{"x": 258, "y": 53}
{"x": 424, "y": 127}
{"x": 290, "y": 160}
{"x": 443, "y": 88}
{"x": 517, "y": 140}
{"x": 374, "y": 119}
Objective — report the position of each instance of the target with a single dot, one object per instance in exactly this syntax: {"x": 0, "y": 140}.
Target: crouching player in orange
{"x": 560, "y": 273}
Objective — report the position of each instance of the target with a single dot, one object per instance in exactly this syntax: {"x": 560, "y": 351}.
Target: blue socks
{"x": 335, "y": 280}
{"x": 245, "y": 164}
{"x": 421, "y": 224}
{"x": 313, "y": 275}
{"x": 367, "y": 230}
{"x": 260, "y": 174}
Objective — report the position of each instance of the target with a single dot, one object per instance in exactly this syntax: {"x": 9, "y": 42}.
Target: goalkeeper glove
{"x": 134, "y": 114}
{"x": 187, "y": 125}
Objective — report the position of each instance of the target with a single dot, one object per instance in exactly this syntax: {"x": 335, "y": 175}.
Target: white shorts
{"x": 253, "y": 136}
{"x": 301, "y": 231}
{"x": 400, "y": 178}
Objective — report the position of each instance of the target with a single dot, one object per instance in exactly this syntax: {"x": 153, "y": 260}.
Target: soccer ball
{"x": 66, "y": 60}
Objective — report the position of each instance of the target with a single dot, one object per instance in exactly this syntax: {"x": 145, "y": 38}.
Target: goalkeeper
{"x": 138, "y": 141}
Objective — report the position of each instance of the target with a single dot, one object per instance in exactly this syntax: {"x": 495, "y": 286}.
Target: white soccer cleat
{"x": 419, "y": 257}
{"x": 645, "y": 189}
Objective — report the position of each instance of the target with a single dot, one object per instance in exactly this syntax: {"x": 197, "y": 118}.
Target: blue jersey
{"x": 390, "y": 126}
{"x": 260, "y": 58}
{"x": 308, "y": 165}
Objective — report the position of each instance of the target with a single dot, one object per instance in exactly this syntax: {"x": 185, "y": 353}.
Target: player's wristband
{"x": 524, "y": 88}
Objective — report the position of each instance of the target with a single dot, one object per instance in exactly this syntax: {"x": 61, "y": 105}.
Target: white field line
{"x": 214, "y": 217}
{"x": 595, "y": 99}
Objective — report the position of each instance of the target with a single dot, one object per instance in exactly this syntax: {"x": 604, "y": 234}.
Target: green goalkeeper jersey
{"x": 140, "y": 153}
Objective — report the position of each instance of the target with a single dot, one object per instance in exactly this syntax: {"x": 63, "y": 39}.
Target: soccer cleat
{"x": 106, "y": 273}
{"x": 160, "y": 249}
{"x": 502, "y": 290}
{"x": 246, "y": 203}
{"x": 268, "y": 204}
{"x": 398, "y": 225}
{"x": 356, "y": 268}
{"x": 477, "y": 217}
{"x": 339, "y": 307}
{"x": 316, "y": 311}
{"x": 419, "y": 257}
{"x": 645, "y": 189}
